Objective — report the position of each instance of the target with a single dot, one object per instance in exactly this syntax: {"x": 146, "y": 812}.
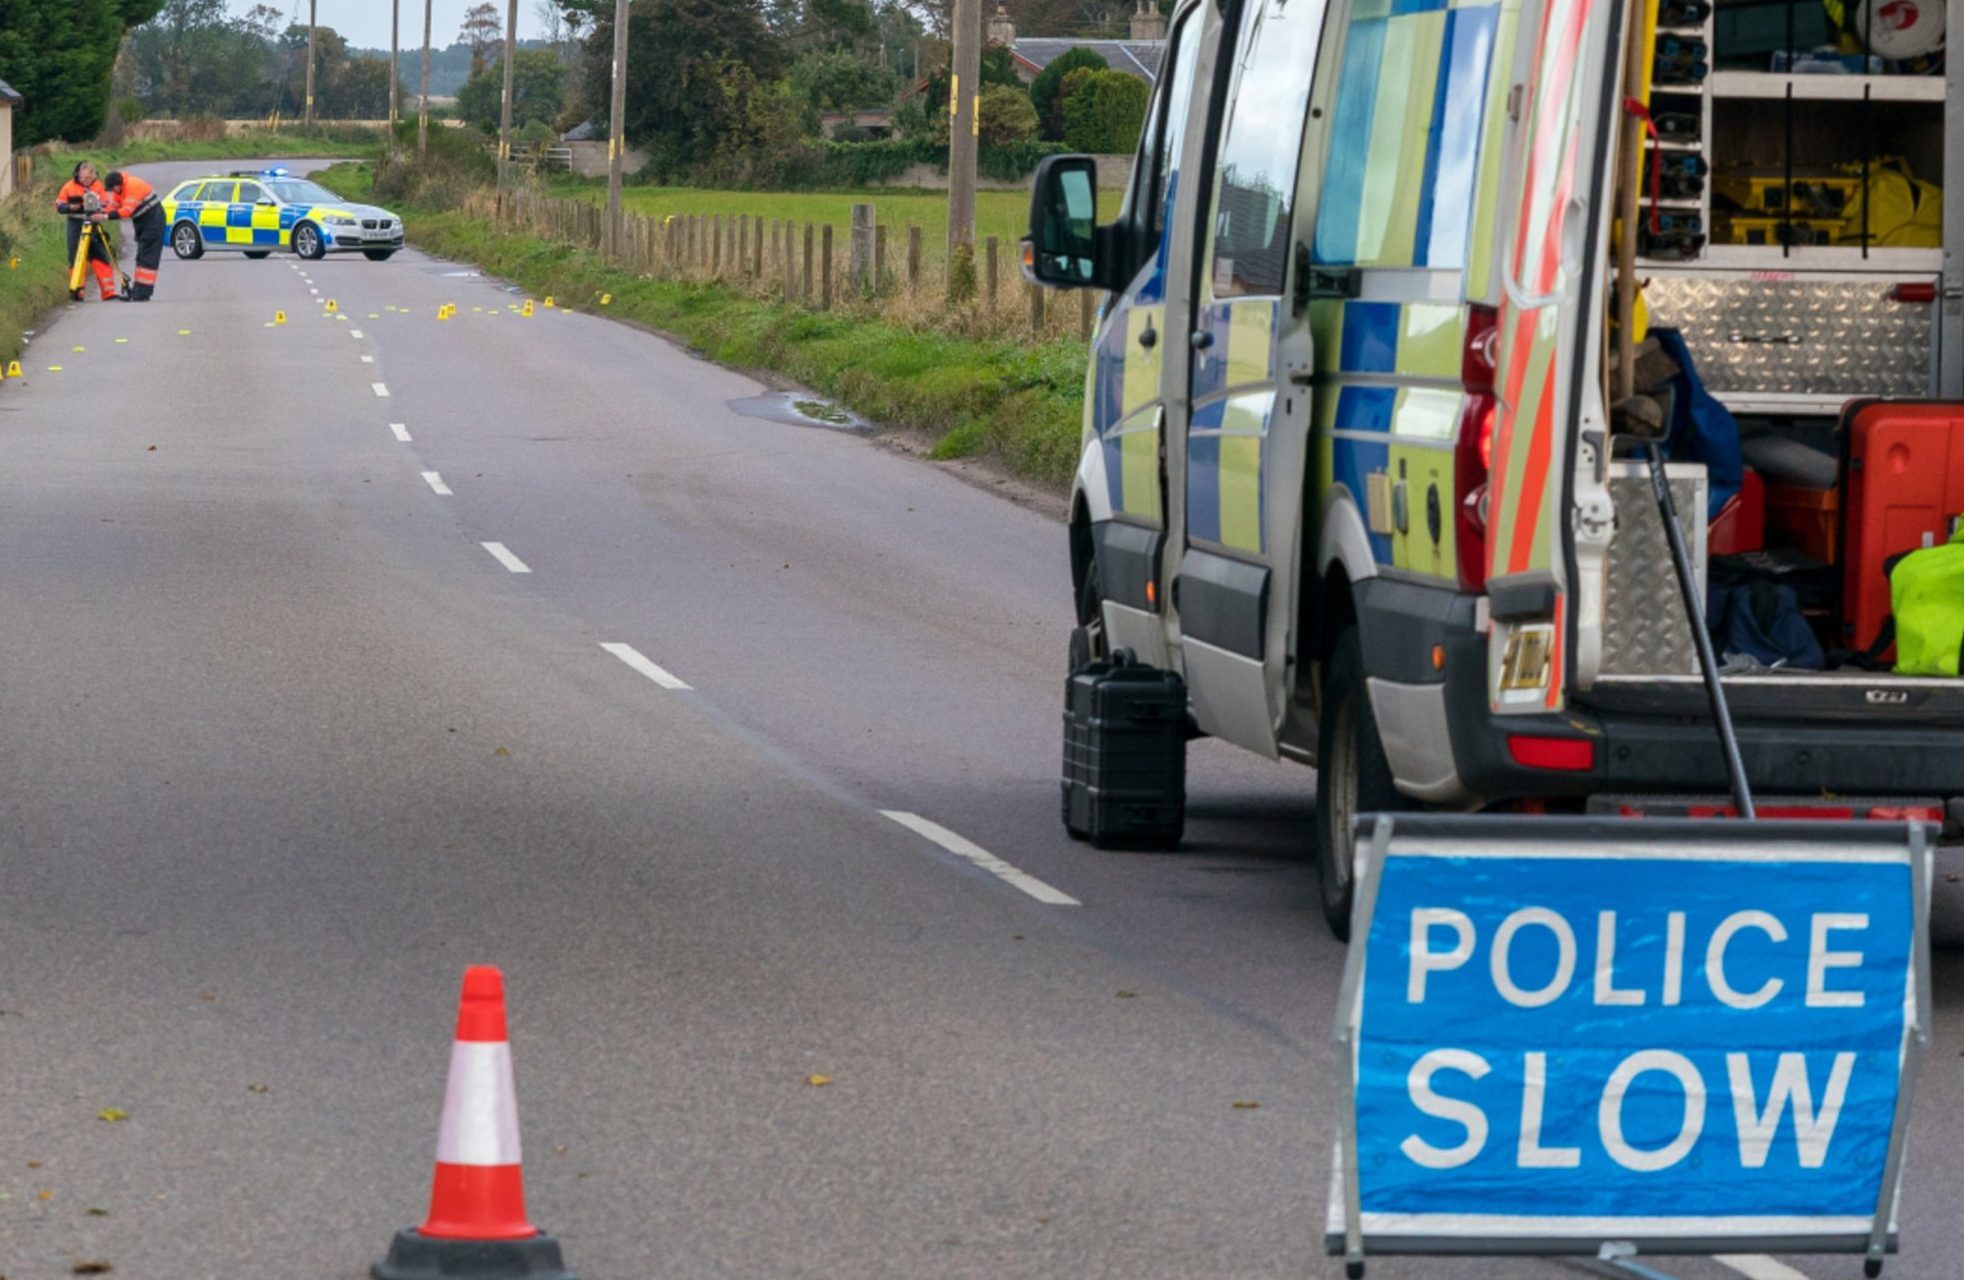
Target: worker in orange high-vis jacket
{"x": 136, "y": 202}
{"x": 82, "y": 199}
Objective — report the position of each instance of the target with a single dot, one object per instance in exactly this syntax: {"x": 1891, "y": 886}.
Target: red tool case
{"x": 1903, "y": 483}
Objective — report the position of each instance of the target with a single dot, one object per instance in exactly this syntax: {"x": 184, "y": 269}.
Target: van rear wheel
{"x": 1352, "y": 777}
{"x": 1088, "y": 637}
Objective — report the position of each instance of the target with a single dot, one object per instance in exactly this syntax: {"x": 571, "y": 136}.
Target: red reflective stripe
{"x": 1534, "y": 478}
{"x": 144, "y": 275}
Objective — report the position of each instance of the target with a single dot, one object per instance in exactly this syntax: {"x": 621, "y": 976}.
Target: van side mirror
{"x": 1062, "y": 247}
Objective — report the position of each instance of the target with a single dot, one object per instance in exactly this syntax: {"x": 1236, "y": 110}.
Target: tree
{"x": 537, "y": 92}
{"x": 1105, "y": 115}
{"x": 836, "y": 80}
{"x": 678, "y": 51}
{"x": 360, "y": 91}
{"x": 761, "y": 140}
{"x": 62, "y": 58}
{"x": 1006, "y": 116}
{"x": 998, "y": 68}
{"x": 484, "y": 32}
{"x": 1046, "y": 90}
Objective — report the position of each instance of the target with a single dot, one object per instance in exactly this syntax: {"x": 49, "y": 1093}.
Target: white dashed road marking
{"x": 402, "y": 432}
{"x": 632, "y": 657}
{"x": 982, "y": 858}
{"x": 368, "y": 359}
{"x": 381, "y": 389}
{"x": 442, "y": 489}
{"x": 1757, "y": 1266}
{"x": 503, "y": 556}
{"x": 354, "y": 333}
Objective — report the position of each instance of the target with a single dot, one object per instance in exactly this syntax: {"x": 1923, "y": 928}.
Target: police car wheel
{"x": 307, "y": 242}
{"x": 1352, "y": 777}
{"x": 186, "y": 243}
{"x": 378, "y": 255}
{"x": 258, "y": 253}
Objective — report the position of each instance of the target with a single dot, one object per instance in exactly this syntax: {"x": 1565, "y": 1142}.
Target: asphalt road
{"x": 285, "y": 746}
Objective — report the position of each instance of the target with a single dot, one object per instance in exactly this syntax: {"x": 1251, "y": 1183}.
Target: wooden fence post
{"x": 991, "y": 256}
{"x": 788, "y": 261}
{"x": 1083, "y": 314}
{"x": 861, "y": 261}
{"x": 879, "y": 257}
{"x": 913, "y": 258}
{"x": 806, "y": 293}
{"x": 1036, "y": 309}
{"x": 757, "y": 252}
{"x": 825, "y": 268}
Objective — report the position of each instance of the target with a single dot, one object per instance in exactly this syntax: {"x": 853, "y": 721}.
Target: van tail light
{"x": 1567, "y": 755}
{"x": 1473, "y": 446}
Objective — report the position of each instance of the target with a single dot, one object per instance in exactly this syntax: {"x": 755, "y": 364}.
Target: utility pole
{"x": 616, "y": 125}
{"x": 395, "y": 62}
{"x": 965, "y": 100}
{"x": 423, "y": 113}
{"x": 504, "y": 114}
{"x": 313, "y": 12}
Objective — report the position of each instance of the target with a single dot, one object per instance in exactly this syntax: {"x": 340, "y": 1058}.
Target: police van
{"x": 1359, "y": 457}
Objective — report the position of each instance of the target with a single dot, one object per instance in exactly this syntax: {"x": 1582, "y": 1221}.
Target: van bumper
{"x": 1449, "y": 748}
{"x": 1644, "y": 754}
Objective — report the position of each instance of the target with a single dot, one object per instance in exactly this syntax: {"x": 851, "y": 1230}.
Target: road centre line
{"x": 502, "y": 554}
{"x": 381, "y": 389}
{"x": 368, "y": 359}
{"x": 354, "y": 333}
{"x": 401, "y": 431}
{"x": 436, "y": 483}
{"x": 1757, "y": 1266}
{"x": 982, "y": 858}
{"x": 633, "y": 658}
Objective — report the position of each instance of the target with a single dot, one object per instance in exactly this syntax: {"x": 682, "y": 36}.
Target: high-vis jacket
{"x": 132, "y": 199}
{"x": 73, "y": 198}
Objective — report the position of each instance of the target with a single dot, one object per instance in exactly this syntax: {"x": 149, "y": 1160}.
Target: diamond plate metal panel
{"x": 1839, "y": 338}
{"x": 1645, "y": 629}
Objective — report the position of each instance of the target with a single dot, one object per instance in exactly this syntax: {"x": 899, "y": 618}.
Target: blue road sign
{"x": 1685, "y": 1035}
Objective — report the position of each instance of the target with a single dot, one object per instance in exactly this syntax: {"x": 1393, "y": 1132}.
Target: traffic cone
{"x": 477, "y": 1229}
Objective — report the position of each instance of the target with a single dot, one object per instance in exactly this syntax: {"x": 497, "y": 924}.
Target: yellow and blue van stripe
{"x": 1233, "y": 398}
{"x": 1404, "y": 147}
{"x": 1126, "y": 389}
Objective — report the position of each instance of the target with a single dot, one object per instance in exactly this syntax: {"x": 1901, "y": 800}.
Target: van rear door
{"x": 1553, "y": 224}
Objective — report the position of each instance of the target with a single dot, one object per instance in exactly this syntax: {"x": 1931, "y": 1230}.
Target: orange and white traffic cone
{"x": 477, "y": 1229}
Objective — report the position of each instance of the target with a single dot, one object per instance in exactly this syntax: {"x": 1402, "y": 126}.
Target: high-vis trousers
{"x": 99, "y": 262}
{"x": 149, "y": 229}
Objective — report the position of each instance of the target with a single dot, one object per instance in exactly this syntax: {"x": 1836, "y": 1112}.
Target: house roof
{"x": 8, "y": 96}
{"x": 1136, "y": 57}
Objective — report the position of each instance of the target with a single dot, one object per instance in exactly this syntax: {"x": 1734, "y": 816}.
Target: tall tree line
{"x": 195, "y": 57}
{"x": 61, "y": 56}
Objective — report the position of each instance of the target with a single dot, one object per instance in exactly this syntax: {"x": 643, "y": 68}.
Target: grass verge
{"x": 1013, "y": 400}
{"x": 343, "y": 142}
{"x": 31, "y": 233}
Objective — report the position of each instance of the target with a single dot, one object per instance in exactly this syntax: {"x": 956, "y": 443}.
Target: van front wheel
{"x": 1352, "y": 777}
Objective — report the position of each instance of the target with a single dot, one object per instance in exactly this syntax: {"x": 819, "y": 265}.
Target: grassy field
{"x": 1003, "y": 214}
{"x": 1017, "y": 400}
{"x": 32, "y": 233}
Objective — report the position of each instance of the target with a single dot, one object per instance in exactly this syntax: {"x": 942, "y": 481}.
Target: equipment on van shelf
{"x": 1926, "y": 598}
{"x": 1898, "y": 30}
{"x": 1683, "y": 13}
{"x": 1895, "y": 209}
{"x": 1675, "y": 175}
{"x": 1670, "y": 234}
{"x": 1761, "y": 620}
{"x": 1679, "y": 126}
{"x": 1679, "y": 60}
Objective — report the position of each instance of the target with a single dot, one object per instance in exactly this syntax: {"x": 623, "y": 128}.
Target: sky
{"x": 365, "y": 23}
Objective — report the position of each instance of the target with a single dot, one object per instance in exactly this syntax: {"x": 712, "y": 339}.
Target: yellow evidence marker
{"x": 332, "y": 306}
{"x": 548, "y": 302}
{"x": 183, "y": 333}
{"x": 606, "y": 299}
{"x": 13, "y": 369}
{"x": 526, "y": 311}
{"x": 279, "y": 317}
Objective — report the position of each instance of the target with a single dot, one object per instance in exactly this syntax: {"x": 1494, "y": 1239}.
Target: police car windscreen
{"x": 301, "y": 193}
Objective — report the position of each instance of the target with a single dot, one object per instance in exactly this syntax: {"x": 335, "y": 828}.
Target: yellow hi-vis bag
{"x": 1904, "y": 212}
{"x": 1926, "y": 597}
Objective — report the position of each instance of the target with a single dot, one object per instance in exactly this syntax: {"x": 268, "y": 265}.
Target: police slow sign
{"x": 1688, "y": 1036}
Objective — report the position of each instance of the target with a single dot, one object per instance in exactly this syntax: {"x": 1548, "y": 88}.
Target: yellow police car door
{"x": 214, "y": 209}
{"x": 1245, "y": 439}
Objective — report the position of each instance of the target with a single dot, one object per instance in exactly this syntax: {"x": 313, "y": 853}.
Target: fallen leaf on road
{"x": 97, "y": 1213}
{"x": 34, "y": 1164}
{"x": 112, "y": 1114}
{"x": 1128, "y": 995}
{"x": 206, "y": 996}
{"x": 92, "y": 1268}
{"x": 818, "y": 1082}
{"x": 259, "y": 1088}
{"x": 501, "y": 751}
{"x": 151, "y": 449}
{"x": 1247, "y": 1106}
{"x": 44, "y": 1195}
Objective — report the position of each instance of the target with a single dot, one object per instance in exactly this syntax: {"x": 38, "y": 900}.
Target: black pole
{"x": 1694, "y": 608}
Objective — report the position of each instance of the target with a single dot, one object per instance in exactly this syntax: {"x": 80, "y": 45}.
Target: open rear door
{"x": 1554, "y": 211}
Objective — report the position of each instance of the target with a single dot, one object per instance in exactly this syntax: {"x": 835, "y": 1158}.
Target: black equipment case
{"x": 1125, "y": 754}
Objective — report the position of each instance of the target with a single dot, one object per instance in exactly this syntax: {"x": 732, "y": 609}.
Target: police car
{"x": 258, "y": 211}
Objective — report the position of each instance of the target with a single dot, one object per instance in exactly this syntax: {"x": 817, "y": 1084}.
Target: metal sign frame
{"x": 1688, "y": 838}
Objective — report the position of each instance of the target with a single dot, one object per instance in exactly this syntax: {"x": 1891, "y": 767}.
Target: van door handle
{"x": 1149, "y": 337}
{"x": 1201, "y": 339}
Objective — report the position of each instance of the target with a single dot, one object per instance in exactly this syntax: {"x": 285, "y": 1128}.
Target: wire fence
{"x": 867, "y": 267}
